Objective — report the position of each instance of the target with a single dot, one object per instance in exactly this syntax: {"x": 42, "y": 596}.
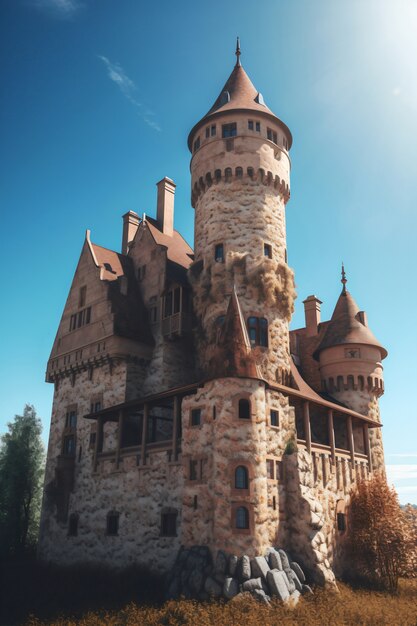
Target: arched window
{"x": 241, "y": 477}
{"x": 250, "y": 172}
{"x": 228, "y": 173}
{"x": 242, "y": 517}
{"x": 244, "y": 409}
{"x": 239, "y": 172}
{"x": 350, "y": 382}
{"x": 218, "y": 175}
{"x": 361, "y": 383}
{"x": 258, "y": 331}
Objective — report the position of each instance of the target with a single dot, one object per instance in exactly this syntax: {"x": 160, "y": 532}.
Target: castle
{"x": 185, "y": 411}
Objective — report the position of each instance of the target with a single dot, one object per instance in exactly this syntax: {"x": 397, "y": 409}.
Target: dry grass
{"x": 324, "y": 608}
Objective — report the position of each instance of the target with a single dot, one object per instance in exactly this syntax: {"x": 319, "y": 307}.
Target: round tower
{"x": 350, "y": 364}
{"x": 240, "y": 176}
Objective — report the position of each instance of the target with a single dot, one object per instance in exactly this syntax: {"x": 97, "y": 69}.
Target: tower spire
{"x": 344, "y": 279}
{"x": 237, "y": 52}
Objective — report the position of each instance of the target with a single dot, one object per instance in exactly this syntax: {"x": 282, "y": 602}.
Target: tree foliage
{"x": 21, "y": 474}
{"x": 381, "y": 539}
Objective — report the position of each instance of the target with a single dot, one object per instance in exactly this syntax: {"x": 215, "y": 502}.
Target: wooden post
{"x": 351, "y": 442}
{"x": 144, "y": 434}
{"x": 367, "y": 446}
{"x": 177, "y": 417}
{"x": 99, "y": 441}
{"x": 307, "y": 428}
{"x": 119, "y": 438}
{"x": 331, "y": 435}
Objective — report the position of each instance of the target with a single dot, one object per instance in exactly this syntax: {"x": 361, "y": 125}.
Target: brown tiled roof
{"x": 178, "y": 250}
{"x": 346, "y": 328}
{"x": 113, "y": 263}
{"x": 243, "y": 96}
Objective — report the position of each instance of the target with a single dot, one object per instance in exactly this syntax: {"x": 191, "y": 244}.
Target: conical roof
{"x": 239, "y": 94}
{"x": 345, "y": 327}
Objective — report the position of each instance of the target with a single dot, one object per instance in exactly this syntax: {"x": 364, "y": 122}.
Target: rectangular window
{"x": 193, "y": 470}
{"x": 268, "y": 250}
{"x": 82, "y": 297}
{"x": 169, "y": 525}
{"x": 177, "y": 300}
{"x": 207, "y": 132}
{"x": 274, "y": 137}
{"x": 274, "y": 417}
{"x": 71, "y": 419}
{"x": 213, "y": 130}
{"x": 269, "y": 134}
{"x": 69, "y": 446}
{"x": 229, "y": 130}
{"x": 196, "y": 417}
{"x": 80, "y": 319}
{"x": 258, "y": 127}
{"x": 270, "y": 468}
{"x": 73, "y": 322}
{"x": 250, "y": 124}
{"x": 219, "y": 253}
{"x": 341, "y": 522}
{"x": 112, "y": 524}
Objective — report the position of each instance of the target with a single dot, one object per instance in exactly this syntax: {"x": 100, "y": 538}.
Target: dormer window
{"x": 229, "y": 130}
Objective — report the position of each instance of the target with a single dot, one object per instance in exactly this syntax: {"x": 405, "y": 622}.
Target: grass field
{"x": 323, "y": 609}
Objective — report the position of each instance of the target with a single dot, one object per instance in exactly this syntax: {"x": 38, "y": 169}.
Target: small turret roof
{"x": 345, "y": 327}
{"x": 239, "y": 93}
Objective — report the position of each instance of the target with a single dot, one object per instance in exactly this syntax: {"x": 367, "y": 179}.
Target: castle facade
{"x": 185, "y": 411}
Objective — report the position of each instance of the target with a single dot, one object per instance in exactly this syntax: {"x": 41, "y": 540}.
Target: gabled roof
{"x": 178, "y": 250}
{"x": 113, "y": 263}
{"x": 233, "y": 355}
{"x": 345, "y": 327}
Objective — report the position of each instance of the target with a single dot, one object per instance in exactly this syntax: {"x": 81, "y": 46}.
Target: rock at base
{"x": 274, "y": 560}
{"x": 277, "y": 584}
{"x": 297, "y": 569}
{"x": 306, "y": 589}
{"x": 230, "y": 588}
{"x": 244, "y": 571}
{"x": 220, "y": 566}
{"x": 291, "y": 575}
{"x": 233, "y": 561}
{"x": 213, "y": 588}
{"x": 284, "y": 560}
{"x": 252, "y": 584}
{"x": 195, "y": 580}
{"x": 259, "y": 567}
{"x": 261, "y": 596}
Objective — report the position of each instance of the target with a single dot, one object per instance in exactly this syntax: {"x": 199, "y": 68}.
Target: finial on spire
{"x": 237, "y": 51}
{"x": 344, "y": 279}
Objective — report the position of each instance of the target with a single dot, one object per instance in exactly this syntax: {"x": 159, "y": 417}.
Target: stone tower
{"x": 243, "y": 294}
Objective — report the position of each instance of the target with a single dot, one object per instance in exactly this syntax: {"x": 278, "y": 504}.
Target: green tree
{"x": 21, "y": 473}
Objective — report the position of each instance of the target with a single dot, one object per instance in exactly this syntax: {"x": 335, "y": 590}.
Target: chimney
{"x": 165, "y": 206}
{"x": 130, "y": 226}
{"x": 312, "y": 315}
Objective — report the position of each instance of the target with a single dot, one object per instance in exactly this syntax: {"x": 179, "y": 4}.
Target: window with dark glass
{"x": 169, "y": 524}
{"x": 213, "y": 130}
{"x": 193, "y": 470}
{"x": 242, "y": 517}
{"x": 241, "y": 477}
{"x": 274, "y": 415}
{"x": 268, "y": 250}
{"x": 82, "y": 297}
{"x": 270, "y": 468}
{"x": 258, "y": 127}
{"x": 69, "y": 445}
{"x": 229, "y": 130}
{"x": 73, "y": 525}
{"x": 207, "y": 132}
{"x": 71, "y": 419}
{"x": 219, "y": 253}
{"x": 244, "y": 409}
{"x": 250, "y": 124}
{"x": 258, "y": 331}
{"x": 196, "y": 417}
{"x": 112, "y": 523}
{"x": 341, "y": 522}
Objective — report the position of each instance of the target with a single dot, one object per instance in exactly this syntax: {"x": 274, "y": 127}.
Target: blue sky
{"x": 97, "y": 99}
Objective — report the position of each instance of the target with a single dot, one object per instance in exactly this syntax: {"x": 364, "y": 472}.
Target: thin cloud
{"x": 128, "y": 88}
{"x": 404, "y": 455}
{"x": 401, "y": 472}
{"x": 60, "y": 8}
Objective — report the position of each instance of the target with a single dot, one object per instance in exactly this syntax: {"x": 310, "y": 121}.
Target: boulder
{"x": 213, "y": 588}
{"x": 261, "y": 596}
{"x": 284, "y": 559}
{"x": 274, "y": 560}
{"x": 196, "y": 580}
{"x": 277, "y": 585}
{"x": 259, "y": 567}
{"x": 220, "y": 565}
{"x": 291, "y": 575}
{"x": 288, "y": 581}
{"x": 297, "y": 569}
{"x": 230, "y": 588}
{"x": 219, "y": 578}
{"x": 244, "y": 571}
{"x": 233, "y": 562}
{"x": 306, "y": 589}
{"x": 252, "y": 584}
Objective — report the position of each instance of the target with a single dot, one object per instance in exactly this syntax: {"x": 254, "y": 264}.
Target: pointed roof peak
{"x": 343, "y": 279}
{"x": 237, "y": 52}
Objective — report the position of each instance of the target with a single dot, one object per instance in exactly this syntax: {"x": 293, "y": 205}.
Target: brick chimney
{"x": 165, "y": 206}
{"x": 130, "y": 226}
{"x": 312, "y": 315}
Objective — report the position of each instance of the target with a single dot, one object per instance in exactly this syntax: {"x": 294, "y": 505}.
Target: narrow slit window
{"x": 267, "y": 250}
{"x": 274, "y": 415}
{"x": 244, "y": 409}
{"x": 219, "y": 253}
{"x": 112, "y": 523}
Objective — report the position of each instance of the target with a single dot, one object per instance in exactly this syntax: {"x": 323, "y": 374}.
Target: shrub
{"x": 381, "y": 538}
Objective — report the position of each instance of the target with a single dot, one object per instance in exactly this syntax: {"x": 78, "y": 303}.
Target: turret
{"x": 240, "y": 170}
{"x": 350, "y": 357}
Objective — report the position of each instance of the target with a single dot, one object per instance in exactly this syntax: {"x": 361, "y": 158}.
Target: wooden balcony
{"x": 176, "y": 325}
